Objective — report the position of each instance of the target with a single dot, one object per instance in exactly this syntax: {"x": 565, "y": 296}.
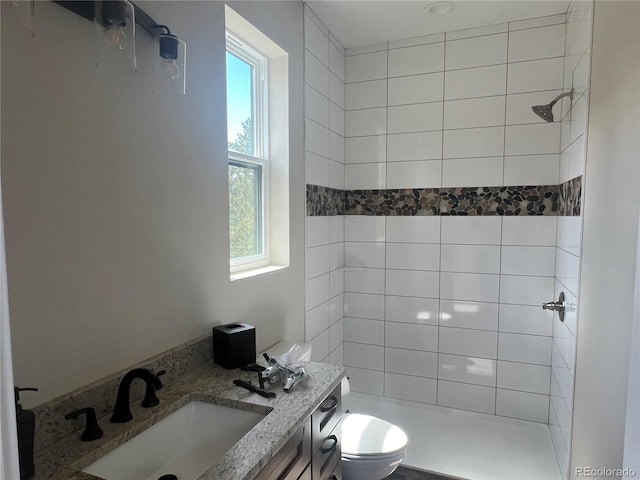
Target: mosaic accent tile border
{"x": 533, "y": 200}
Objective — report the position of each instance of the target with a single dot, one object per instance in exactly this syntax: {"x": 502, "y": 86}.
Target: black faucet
{"x": 122, "y": 410}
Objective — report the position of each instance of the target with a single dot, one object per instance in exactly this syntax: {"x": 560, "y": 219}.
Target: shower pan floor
{"x": 464, "y": 444}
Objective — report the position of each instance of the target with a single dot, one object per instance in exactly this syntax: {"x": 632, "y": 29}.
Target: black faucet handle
{"x": 92, "y": 430}
{"x": 150, "y": 398}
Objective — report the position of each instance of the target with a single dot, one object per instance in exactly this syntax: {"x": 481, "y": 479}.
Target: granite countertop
{"x": 208, "y": 383}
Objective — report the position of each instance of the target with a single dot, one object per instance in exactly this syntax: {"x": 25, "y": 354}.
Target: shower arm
{"x": 566, "y": 94}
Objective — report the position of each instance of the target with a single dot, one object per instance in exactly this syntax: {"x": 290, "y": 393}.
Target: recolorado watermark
{"x": 605, "y": 472}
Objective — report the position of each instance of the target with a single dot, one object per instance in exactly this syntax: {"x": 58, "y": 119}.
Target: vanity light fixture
{"x": 115, "y": 23}
{"x": 439, "y": 8}
{"x": 169, "y": 66}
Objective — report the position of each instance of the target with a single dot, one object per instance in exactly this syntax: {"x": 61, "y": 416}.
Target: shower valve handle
{"x": 559, "y": 306}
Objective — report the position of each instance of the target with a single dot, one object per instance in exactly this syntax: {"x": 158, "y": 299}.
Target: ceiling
{"x": 357, "y": 22}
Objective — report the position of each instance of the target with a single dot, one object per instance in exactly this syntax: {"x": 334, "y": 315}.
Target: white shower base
{"x": 463, "y": 444}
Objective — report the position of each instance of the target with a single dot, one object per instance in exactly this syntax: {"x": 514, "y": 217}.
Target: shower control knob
{"x": 558, "y": 306}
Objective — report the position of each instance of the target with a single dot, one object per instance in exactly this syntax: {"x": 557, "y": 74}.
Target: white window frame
{"x": 243, "y": 50}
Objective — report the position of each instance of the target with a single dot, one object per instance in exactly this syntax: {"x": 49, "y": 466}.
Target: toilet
{"x": 372, "y": 448}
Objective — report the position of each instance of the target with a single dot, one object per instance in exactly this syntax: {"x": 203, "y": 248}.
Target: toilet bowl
{"x": 372, "y": 448}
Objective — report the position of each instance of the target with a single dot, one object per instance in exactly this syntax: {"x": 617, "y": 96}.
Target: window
{"x": 258, "y": 149}
{"x": 247, "y": 135}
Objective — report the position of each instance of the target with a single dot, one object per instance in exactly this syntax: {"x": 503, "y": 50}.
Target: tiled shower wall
{"x": 572, "y": 162}
{"x": 324, "y": 164}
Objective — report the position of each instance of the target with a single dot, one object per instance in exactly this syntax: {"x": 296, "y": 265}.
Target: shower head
{"x": 545, "y": 112}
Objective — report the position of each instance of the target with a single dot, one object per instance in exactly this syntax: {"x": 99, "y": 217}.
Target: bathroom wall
{"x": 324, "y": 164}
{"x": 568, "y": 244}
{"x": 115, "y": 199}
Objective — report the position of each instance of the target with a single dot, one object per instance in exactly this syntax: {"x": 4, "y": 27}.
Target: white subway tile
{"x": 316, "y": 41}
{"x": 525, "y": 406}
{"x": 337, "y": 62}
{"x": 336, "y": 119}
{"x": 366, "y": 149}
{"x": 363, "y": 229}
{"x": 365, "y": 176}
{"x": 369, "y": 66}
{"x": 320, "y": 346}
{"x": 412, "y": 283}
{"x": 521, "y": 290}
{"x": 365, "y": 94}
{"x": 476, "y": 52}
{"x": 411, "y": 336}
{"x": 479, "y": 230}
{"x": 470, "y": 259}
{"x": 316, "y": 74}
{"x": 475, "y": 112}
{"x": 462, "y": 396}
{"x": 363, "y": 356}
{"x": 372, "y": 121}
{"x": 412, "y": 42}
{"x": 472, "y": 172}
{"x": 336, "y": 336}
{"x": 316, "y": 138}
{"x": 336, "y": 148}
{"x": 336, "y": 309}
{"x": 416, "y": 229}
{"x": 525, "y": 319}
{"x": 366, "y": 381}
{"x": 316, "y": 261}
{"x": 538, "y": 261}
{"x": 474, "y": 142}
{"x": 411, "y": 310}
{"x": 336, "y": 282}
{"x": 469, "y": 286}
{"x": 416, "y": 89}
{"x": 317, "y": 231}
{"x": 414, "y": 146}
{"x": 476, "y": 32}
{"x": 411, "y": 362}
{"x": 536, "y": 43}
{"x": 519, "y": 106}
{"x": 316, "y": 169}
{"x": 364, "y": 306}
{"x": 477, "y": 371}
{"x": 421, "y": 174}
{"x": 416, "y": 60}
{"x": 463, "y": 341}
{"x": 362, "y": 330}
{"x": 569, "y": 232}
{"x": 369, "y": 280}
{"x": 479, "y": 316}
{"x": 378, "y": 47}
{"x": 525, "y": 348}
{"x": 336, "y": 229}
{"x": 524, "y": 377}
{"x": 316, "y": 321}
{"x": 364, "y": 254}
{"x": 413, "y": 256}
{"x": 336, "y": 175}
{"x": 531, "y": 170}
{"x": 317, "y": 291}
{"x": 567, "y": 270}
{"x": 532, "y": 139}
{"x": 316, "y": 106}
{"x": 538, "y": 22}
{"x": 535, "y": 75}
{"x": 421, "y": 117}
{"x": 414, "y": 389}
{"x": 535, "y": 231}
{"x": 476, "y": 82}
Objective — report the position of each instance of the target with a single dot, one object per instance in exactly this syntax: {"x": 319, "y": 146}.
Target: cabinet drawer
{"x": 336, "y": 474}
{"x": 326, "y": 417}
{"x": 326, "y": 458}
{"x": 289, "y": 463}
{"x": 306, "y": 475}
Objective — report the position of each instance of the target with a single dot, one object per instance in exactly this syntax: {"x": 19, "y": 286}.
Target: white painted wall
{"x": 116, "y": 199}
{"x": 609, "y": 239}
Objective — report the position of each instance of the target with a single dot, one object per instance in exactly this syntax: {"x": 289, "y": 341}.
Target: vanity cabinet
{"x": 313, "y": 452}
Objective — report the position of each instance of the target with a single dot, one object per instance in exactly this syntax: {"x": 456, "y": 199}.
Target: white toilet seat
{"x": 371, "y": 448}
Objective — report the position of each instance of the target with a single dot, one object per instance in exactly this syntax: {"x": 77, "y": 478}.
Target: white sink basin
{"x": 185, "y": 444}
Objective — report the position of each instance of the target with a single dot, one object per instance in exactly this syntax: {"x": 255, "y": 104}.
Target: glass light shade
{"x": 18, "y": 15}
{"x": 169, "y": 65}
{"x": 115, "y": 26}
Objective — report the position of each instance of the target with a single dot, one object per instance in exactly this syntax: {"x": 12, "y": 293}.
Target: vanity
{"x": 292, "y": 436}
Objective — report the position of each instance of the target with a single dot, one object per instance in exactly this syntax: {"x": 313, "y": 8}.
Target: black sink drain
{"x": 168, "y": 476}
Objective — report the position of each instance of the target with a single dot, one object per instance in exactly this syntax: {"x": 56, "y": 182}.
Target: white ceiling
{"x": 367, "y": 22}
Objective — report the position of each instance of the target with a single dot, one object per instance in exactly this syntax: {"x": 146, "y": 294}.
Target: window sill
{"x": 254, "y": 272}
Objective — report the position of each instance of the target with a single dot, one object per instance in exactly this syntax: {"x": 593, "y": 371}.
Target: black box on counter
{"x": 234, "y": 345}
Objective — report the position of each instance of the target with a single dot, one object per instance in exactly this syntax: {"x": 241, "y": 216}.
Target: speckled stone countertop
{"x": 284, "y": 414}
